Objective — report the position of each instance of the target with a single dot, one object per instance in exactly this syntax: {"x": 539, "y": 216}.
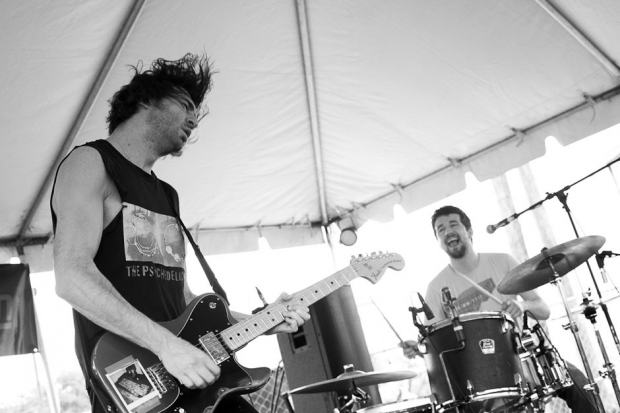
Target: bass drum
{"x": 406, "y": 406}
{"x": 485, "y": 373}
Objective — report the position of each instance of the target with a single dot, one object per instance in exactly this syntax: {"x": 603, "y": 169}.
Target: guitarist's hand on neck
{"x": 295, "y": 316}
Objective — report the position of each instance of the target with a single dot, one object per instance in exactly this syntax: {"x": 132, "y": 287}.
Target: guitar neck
{"x": 247, "y": 330}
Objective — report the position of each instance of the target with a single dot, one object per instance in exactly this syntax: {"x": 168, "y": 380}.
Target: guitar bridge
{"x": 214, "y": 348}
{"x": 161, "y": 378}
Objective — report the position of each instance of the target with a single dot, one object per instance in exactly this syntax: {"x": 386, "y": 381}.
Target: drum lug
{"x": 519, "y": 383}
{"x": 505, "y": 324}
{"x": 470, "y": 388}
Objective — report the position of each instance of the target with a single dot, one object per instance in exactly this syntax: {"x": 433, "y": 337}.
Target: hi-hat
{"x": 536, "y": 271}
{"x": 346, "y": 381}
{"x": 581, "y": 308}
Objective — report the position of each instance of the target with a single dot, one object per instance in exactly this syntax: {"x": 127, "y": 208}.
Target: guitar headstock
{"x": 374, "y": 265}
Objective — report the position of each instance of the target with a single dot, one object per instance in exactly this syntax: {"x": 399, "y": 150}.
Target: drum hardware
{"x": 554, "y": 373}
{"x": 548, "y": 267}
{"x": 546, "y": 375}
{"x": 591, "y": 386}
{"x": 608, "y": 368}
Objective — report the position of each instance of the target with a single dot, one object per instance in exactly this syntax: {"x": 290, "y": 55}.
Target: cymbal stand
{"x": 591, "y": 386}
{"x": 358, "y": 396}
{"x": 562, "y": 197}
{"x": 608, "y": 371}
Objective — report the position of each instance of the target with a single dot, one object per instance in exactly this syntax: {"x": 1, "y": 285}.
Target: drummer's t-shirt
{"x": 489, "y": 272}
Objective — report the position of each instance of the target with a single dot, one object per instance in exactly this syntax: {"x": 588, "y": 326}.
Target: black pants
{"x": 576, "y": 398}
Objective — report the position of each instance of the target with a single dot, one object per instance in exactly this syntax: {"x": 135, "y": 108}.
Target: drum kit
{"x": 481, "y": 362}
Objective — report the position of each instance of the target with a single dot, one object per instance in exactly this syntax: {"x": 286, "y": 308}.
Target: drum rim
{"x": 424, "y": 402}
{"x": 472, "y": 316}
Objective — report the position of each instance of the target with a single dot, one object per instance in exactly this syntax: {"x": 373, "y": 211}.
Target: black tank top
{"x": 142, "y": 251}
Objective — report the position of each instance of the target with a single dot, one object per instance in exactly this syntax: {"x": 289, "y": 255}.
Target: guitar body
{"x": 206, "y": 314}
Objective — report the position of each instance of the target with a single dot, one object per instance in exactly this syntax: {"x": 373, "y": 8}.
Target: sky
{"x": 594, "y": 202}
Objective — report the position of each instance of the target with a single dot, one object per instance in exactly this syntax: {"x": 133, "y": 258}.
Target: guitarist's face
{"x": 452, "y": 235}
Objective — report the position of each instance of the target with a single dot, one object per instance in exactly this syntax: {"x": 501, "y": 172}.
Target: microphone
{"x": 456, "y": 323}
{"x": 600, "y": 261}
{"x": 525, "y": 326}
{"x": 446, "y": 297}
{"x": 492, "y": 228}
{"x": 428, "y": 313}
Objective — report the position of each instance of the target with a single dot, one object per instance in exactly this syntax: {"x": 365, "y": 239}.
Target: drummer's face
{"x": 452, "y": 235}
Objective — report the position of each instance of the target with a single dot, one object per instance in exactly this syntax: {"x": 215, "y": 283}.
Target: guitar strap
{"x": 217, "y": 288}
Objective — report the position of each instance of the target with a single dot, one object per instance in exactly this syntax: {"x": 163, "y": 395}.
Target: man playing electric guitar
{"x": 119, "y": 253}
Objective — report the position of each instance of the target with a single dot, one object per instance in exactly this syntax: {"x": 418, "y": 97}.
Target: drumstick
{"x": 388, "y": 323}
{"x": 479, "y": 288}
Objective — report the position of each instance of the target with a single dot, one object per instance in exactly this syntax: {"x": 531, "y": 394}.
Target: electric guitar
{"x": 135, "y": 378}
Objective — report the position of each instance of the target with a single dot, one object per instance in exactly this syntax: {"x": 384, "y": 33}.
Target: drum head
{"x": 405, "y": 406}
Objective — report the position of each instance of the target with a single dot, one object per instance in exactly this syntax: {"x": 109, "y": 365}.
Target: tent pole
{"x": 328, "y": 238}
{"x": 583, "y": 40}
{"x": 85, "y": 108}
{"x": 53, "y": 401}
{"x": 613, "y": 176}
{"x": 36, "y": 376}
{"x": 313, "y": 111}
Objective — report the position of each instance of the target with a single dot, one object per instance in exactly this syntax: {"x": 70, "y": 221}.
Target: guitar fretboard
{"x": 247, "y": 330}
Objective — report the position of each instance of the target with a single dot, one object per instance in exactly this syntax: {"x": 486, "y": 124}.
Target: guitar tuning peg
{"x": 352, "y": 257}
{"x": 373, "y": 253}
{"x": 360, "y": 256}
{"x": 380, "y": 252}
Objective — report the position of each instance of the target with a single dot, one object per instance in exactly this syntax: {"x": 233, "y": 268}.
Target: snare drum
{"x": 406, "y": 406}
{"x": 548, "y": 372}
{"x": 485, "y": 374}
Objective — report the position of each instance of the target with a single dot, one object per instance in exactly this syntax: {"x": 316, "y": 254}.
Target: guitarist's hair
{"x": 164, "y": 79}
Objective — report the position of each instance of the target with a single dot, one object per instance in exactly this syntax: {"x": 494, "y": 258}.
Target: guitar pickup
{"x": 214, "y": 348}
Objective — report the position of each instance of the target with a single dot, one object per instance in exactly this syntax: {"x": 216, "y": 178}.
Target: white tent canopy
{"x": 321, "y": 109}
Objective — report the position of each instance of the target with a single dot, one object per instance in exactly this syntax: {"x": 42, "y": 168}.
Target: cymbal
{"x": 536, "y": 271}
{"x": 346, "y": 381}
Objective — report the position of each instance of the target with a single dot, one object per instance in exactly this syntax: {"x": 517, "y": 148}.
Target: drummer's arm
{"x": 532, "y": 302}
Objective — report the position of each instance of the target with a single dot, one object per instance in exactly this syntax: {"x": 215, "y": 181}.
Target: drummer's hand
{"x": 513, "y": 307}
{"x": 410, "y": 349}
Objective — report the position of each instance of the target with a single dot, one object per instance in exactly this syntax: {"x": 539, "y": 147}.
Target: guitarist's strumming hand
{"x": 191, "y": 366}
{"x": 296, "y": 316}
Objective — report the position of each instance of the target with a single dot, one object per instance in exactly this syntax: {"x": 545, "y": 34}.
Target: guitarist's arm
{"x": 85, "y": 201}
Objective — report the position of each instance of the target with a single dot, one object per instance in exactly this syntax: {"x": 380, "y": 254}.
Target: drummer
{"x": 453, "y": 230}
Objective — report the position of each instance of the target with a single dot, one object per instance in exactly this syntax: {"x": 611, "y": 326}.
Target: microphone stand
{"x": 562, "y": 197}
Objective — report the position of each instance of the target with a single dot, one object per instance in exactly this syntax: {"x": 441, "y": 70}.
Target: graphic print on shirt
{"x": 152, "y": 237}
{"x": 471, "y": 299}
